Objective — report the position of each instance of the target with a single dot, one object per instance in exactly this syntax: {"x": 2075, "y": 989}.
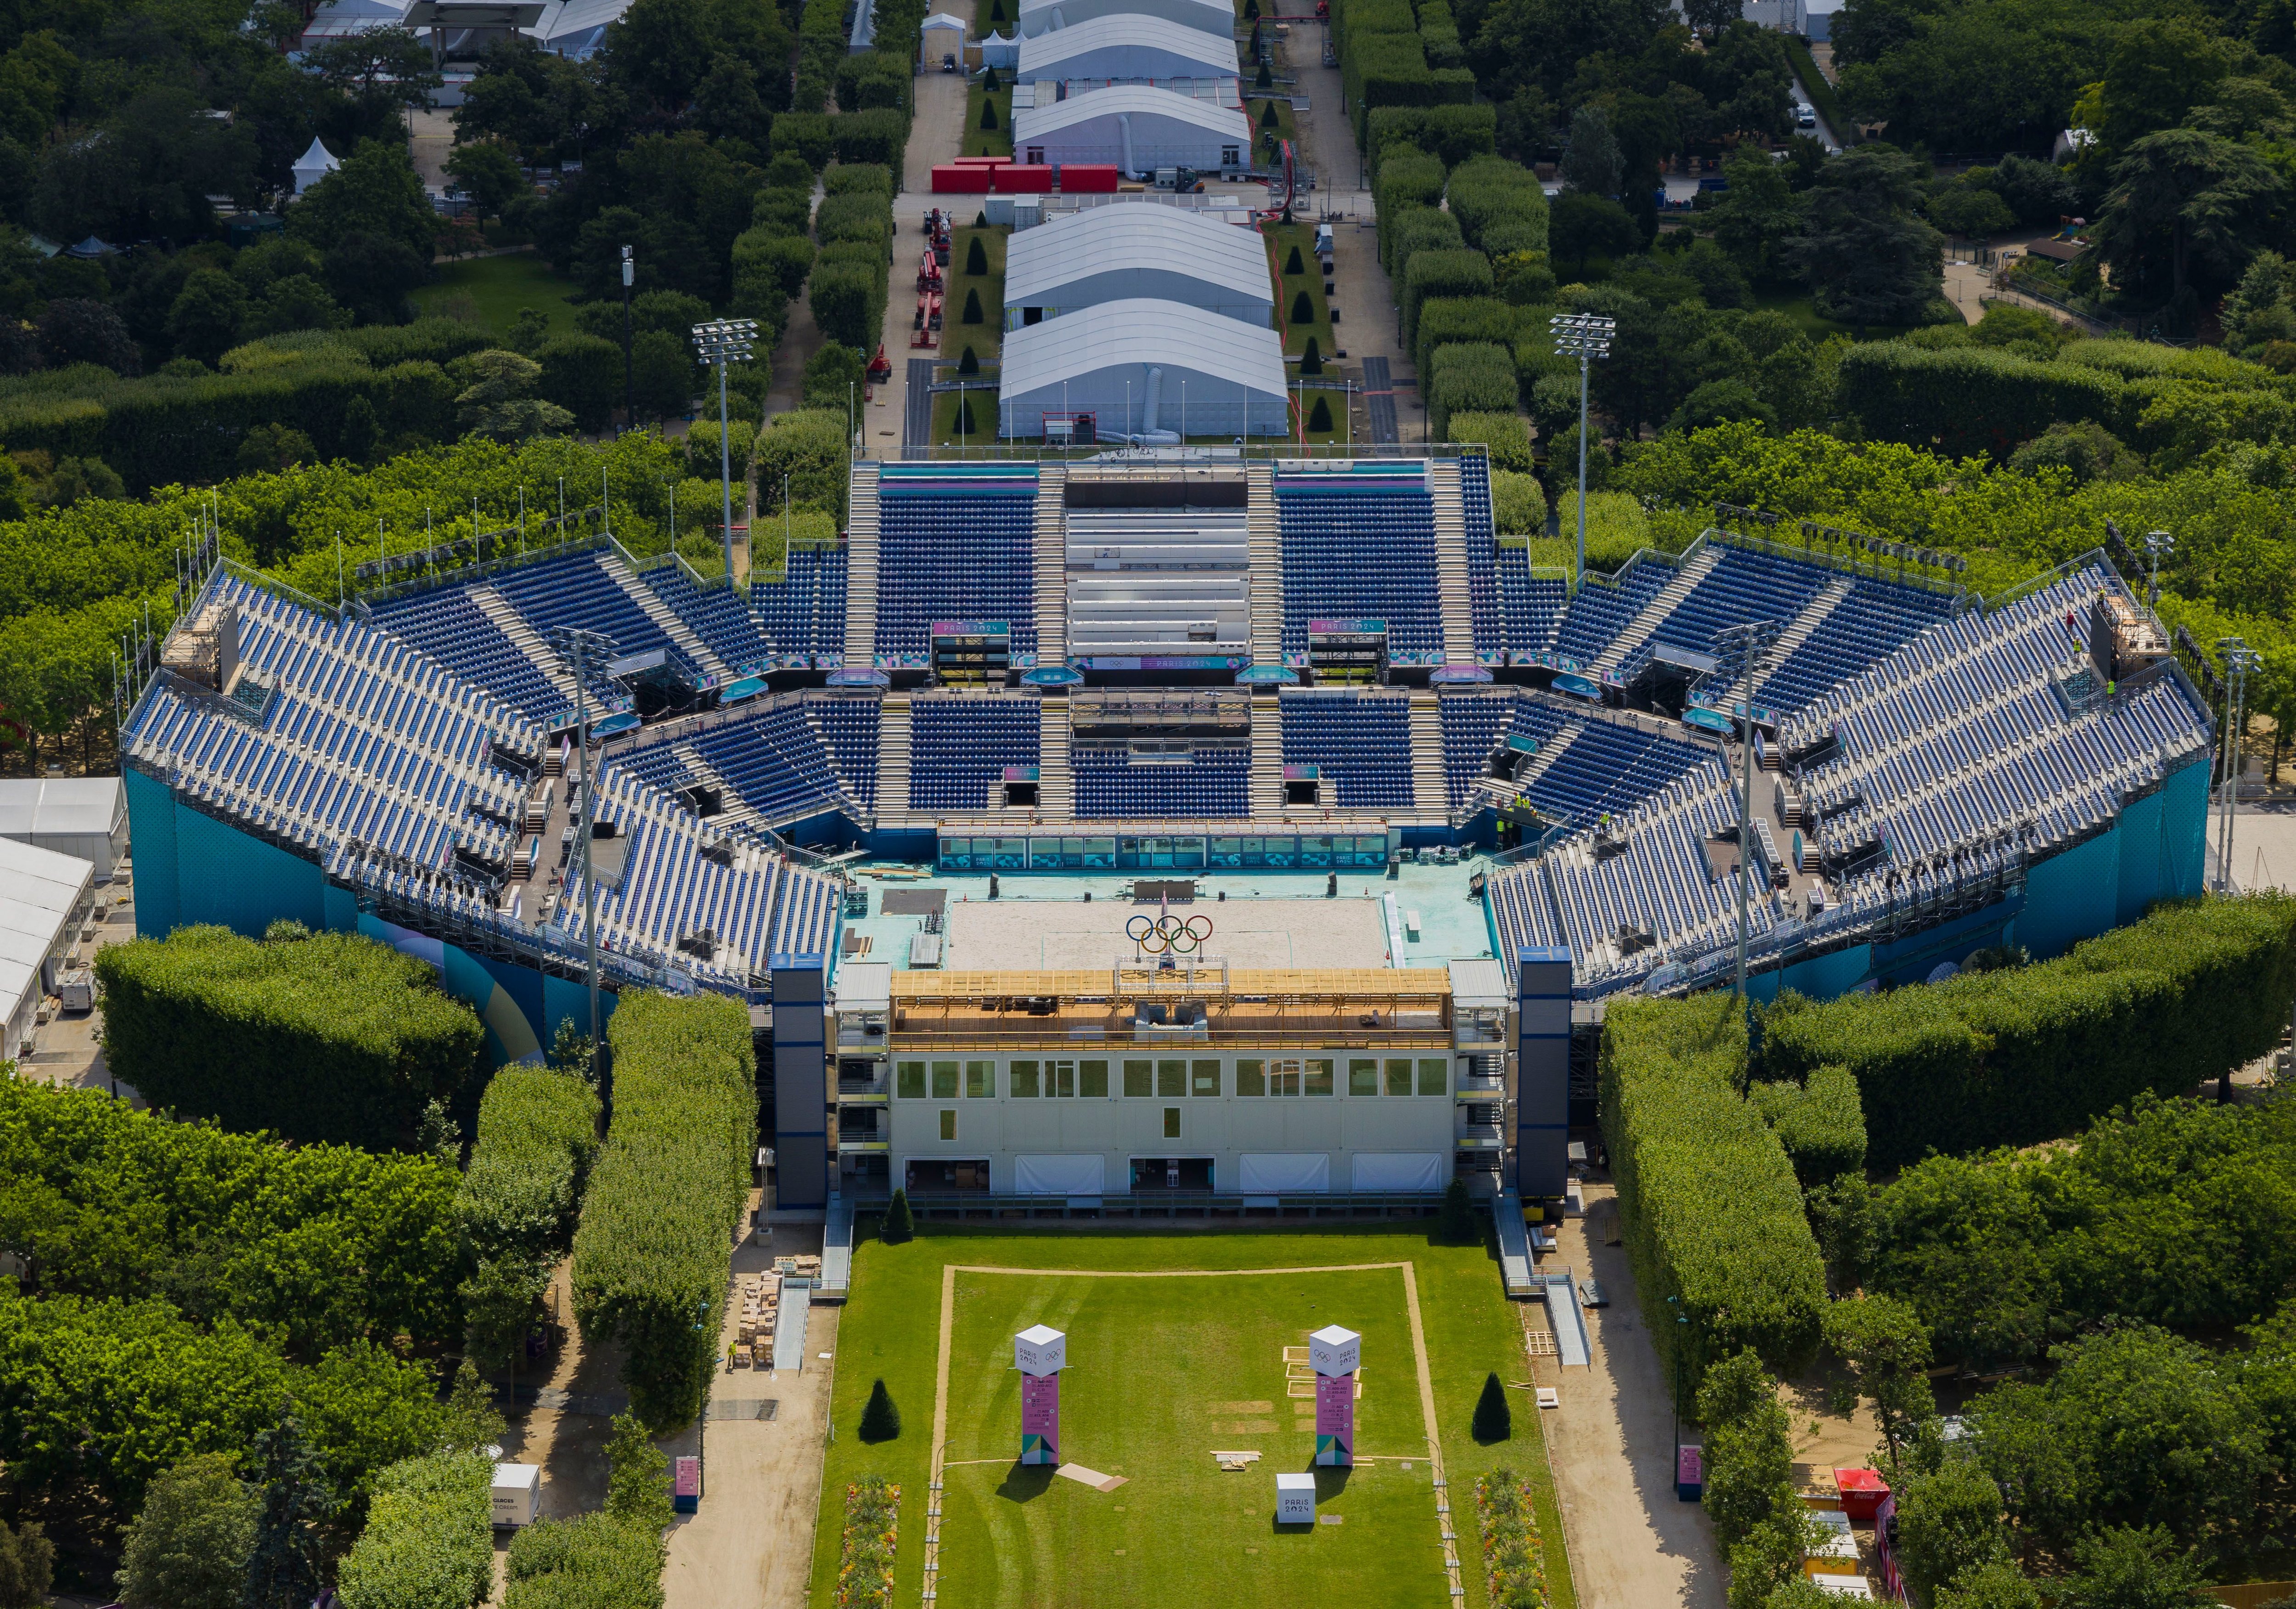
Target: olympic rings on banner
{"x": 1157, "y": 934}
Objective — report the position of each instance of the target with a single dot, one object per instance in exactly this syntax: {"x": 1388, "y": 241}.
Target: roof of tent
{"x": 1127, "y": 30}
{"x": 1207, "y": 16}
{"x": 1135, "y": 234}
{"x": 1139, "y": 100}
{"x": 1169, "y": 334}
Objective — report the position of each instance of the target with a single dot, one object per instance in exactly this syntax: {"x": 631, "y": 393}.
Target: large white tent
{"x": 41, "y": 894}
{"x": 1143, "y": 366}
{"x": 1138, "y": 250}
{"x": 1136, "y": 127}
{"x": 1126, "y": 46}
{"x": 1207, "y": 16}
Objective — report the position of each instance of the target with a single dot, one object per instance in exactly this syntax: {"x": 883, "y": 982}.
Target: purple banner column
{"x": 1335, "y": 1420}
{"x": 1040, "y": 1418}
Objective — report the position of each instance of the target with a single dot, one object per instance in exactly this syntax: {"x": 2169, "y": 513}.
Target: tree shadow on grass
{"x": 1025, "y": 1482}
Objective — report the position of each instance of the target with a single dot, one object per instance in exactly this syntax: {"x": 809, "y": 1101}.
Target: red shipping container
{"x": 1862, "y": 1491}
{"x": 1086, "y": 178}
{"x": 961, "y": 181}
{"x": 1025, "y": 179}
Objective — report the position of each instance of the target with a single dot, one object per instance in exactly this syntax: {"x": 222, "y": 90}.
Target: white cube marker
{"x": 1332, "y": 1351}
{"x": 1040, "y": 1350}
{"x": 1295, "y": 1499}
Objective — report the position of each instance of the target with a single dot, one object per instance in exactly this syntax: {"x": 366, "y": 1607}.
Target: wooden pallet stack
{"x": 761, "y": 1297}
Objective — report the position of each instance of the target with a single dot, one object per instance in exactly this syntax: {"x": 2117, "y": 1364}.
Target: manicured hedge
{"x": 1965, "y": 401}
{"x": 1707, "y": 1197}
{"x": 1463, "y": 318}
{"x": 1499, "y": 206}
{"x": 1384, "y": 62}
{"x": 1439, "y": 273}
{"x": 319, "y": 1246}
{"x": 1468, "y": 377}
{"x": 808, "y": 444}
{"x": 807, "y": 135}
{"x": 1409, "y": 183}
{"x": 597, "y": 1562}
{"x": 874, "y": 137}
{"x": 1508, "y": 438}
{"x": 849, "y": 284}
{"x": 332, "y": 1037}
{"x": 1452, "y": 133}
{"x": 2017, "y": 1056}
{"x": 429, "y": 1542}
{"x": 653, "y": 1255}
{"x": 538, "y": 1133}
{"x": 1820, "y": 1123}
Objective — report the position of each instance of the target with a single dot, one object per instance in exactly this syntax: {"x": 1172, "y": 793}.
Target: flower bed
{"x": 1515, "y": 1570}
{"x": 865, "y": 1570}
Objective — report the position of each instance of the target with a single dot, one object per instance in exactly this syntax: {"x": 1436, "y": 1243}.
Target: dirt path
{"x": 1633, "y": 1545}
{"x": 751, "y": 1541}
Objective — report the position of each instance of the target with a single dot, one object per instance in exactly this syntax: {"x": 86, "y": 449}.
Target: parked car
{"x": 1805, "y": 115}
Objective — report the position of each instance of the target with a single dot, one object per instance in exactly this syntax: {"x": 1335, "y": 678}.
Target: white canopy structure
{"x": 41, "y": 893}
{"x": 1140, "y": 366}
{"x": 1135, "y": 126}
{"x": 997, "y": 50}
{"x": 1138, "y": 250}
{"x": 1126, "y": 46}
{"x": 312, "y": 166}
{"x": 1207, "y": 16}
{"x": 941, "y": 35}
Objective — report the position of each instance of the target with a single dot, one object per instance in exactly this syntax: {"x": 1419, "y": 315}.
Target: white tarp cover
{"x": 1286, "y": 1173}
{"x": 1060, "y": 1175}
{"x": 1400, "y": 1170}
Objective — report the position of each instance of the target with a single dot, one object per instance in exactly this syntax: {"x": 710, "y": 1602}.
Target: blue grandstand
{"x": 1361, "y": 742}
{"x": 954, "y": 544}
{"x": 1360, "y": 545}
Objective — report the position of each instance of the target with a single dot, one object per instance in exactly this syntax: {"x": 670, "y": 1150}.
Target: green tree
{"x": 1948, "y": 1524}
{"x": 976, "y": 256}
{"x": 637, "y": 1483}
{"x": 1303, "y": 308}
{"x": 899, "y": 1224}
{"x": 204, "y": 320}
{"x": 1311, "y": 364}
{"x": 1591, "y": 162}
{"x": 1749, "y": 1446}
{"x": 1494, "y": 1421}
{"x": 382, "y": 69}
{"x": 2183, "y": 199}
{"x": 2000, "y": 1585}
{"x": 1867, "y": 258}
{"x": 497, "y": 400}
{"x": 2160, "y": 70}
{"x": 375, "y": 193}
{"x": 297, "y": 1502}
{"x": 1582, "y": 224}
{"x": 661, "y": 375}
{"x": 189, "y": 1544}
{"x": 28, "y": 1566}
{"x": 989, "y": 112}
{"x": 881, "y": 1421}
{"x": 583, "y": 374}
{"x": 1885, "y": 1346}
{"x": 972, "y": 315}
{"x": 2127, "y": 1568}
{"x": 488, "y": 171}
{"x": 473, "y": 1421}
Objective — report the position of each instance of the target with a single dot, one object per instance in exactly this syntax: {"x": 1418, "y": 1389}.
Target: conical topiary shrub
{"x": 1311, "y": 361}
{"x": 981, "y": 218}
{"x": 1295, "y": 263}
{"x": 1494, "y": 1420}
{"x": 1267, "y": 115}
{"x": 990, "y": 82}
{"x": 899, "y": 1225}
{"x": 881, "y": 1421}
{"x": 1303, "y": 309}
{"x": 970, "y": 363}
{"x": 1456, "y": 1225}
{"x": 1252, "y": 11}
{"x": 1319, "y": 417}
{"x": 972, "y": 306}
{"x": 988, "y": 114}
{"x": 976, "y": 256}
{"x": 1267, "y": 78}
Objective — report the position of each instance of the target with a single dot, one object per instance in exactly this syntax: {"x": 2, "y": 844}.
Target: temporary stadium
{"x": 1091, "y": 830}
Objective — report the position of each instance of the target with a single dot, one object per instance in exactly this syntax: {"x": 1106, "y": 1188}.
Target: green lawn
{"x": 1281, "y": 239}
{"x": 1162, "y": 1372}
{"x": 987, "y": 142}
{"x": 493, "y": 288}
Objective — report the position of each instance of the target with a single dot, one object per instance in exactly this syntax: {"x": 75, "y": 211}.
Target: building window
{"x": 944, "y": 1080}
{"x": 1251, "y": 1076}
{"x": 1434, "y": 1075}
{"x": 1362, "y": 1076}
{"x": 948, "y": 1122}
{"x": 1139, "y": 1077}
{"x": 1092, "y": 1081}
{"x": 1398, "y": 1075}
{"x": 909, "y": 1080}
{"x": 1171, "y": 1122}
{"x": 980, "y": 1081}
{"x": 1171, "y": 1078}
{"x": 1060, "y": 1079}
{"x": 1284, "y": 1078}
{"x": 1024, "y": 1080}
{"x": 1204, "y": 1078}
{"x": 1318, "y": 1079}
{"x": 1230, "y": 156}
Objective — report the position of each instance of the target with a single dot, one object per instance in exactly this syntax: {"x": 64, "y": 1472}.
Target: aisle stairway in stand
{"x": 861, "y": 575}
{"x": 696, "y": 651}
{"x": 1427, "y": 769}
{"x": 1653, "y": 614}
{"x": 1451, "y": 564}
{"x": 893, "y": 758}
{"x": 1051, "y": 564}
{"x": 1267, "y": 539}
{"x": 1267, "y": 758}
{"x": 525, "y": 639}
{"x": 1055, "y": 779}
{"x": 733, "y": 810}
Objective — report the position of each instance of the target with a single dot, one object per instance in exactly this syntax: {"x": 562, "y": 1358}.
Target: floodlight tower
{"x": 2240, "y": 659}
{"x": 2157, "y": 543}
{"x": 1749, "y": 642}
{"x": 1586, "y": 336}
{"x": 581, "y": 650}
{"x": 726, "y": 341}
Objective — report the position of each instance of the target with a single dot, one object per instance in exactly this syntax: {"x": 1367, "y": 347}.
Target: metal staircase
{"x": 525, "y": 639}
{"x": 1266, "y": 540}
{"x": 1267, "y": 757}
{"x": 1451, "y": 564}
{"x": 1052, "y": 566}
{"x": 1055, "y": 780}
{"x": 1643, "y": 625}
{"x": 735, "y": 810}
{"x": 1429, "y": 793}
{"x": 1812, "y": 616}
{"x": 893, "y": 759}
{"x": 861, "y": 575}
{"x": 677, "y": 631}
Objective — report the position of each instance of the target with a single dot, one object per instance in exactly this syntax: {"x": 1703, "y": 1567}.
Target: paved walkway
{"x": 936, "y": 136}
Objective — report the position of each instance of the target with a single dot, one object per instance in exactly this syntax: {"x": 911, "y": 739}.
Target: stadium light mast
{"x": 1586, "y": 336}
{"x": 2240, "y": 659}
{"x": 629, "y": 392}
{"x": 1748, "y": 642}
{"x": 581, "y": 650}
{"x": 2156, "y": 544}
{"x": 726, "y": 341}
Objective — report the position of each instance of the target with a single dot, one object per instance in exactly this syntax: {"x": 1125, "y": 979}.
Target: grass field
{"x": 491, "y": 290}
{"x": 1281, "y": 238}
{"x": 988, "y": 142}
{"x": 1162, "y": 1371}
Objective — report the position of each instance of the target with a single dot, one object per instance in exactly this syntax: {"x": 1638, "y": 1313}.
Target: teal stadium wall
{"x": 190, "y": 869}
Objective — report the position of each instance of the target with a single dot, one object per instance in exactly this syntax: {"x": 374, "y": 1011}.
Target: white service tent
{"x": 1137, "y": 250}
{"x": 1144, "y": 365}
{"x": 312, "y": 166}
{"x": 1285, "y": 1173}
{"x": 1126, "y": 46}
{"x": 83, "y": 817}
{"x": 1060, "y": 1175}
{"x": 941, "y": 35}
{"x": 1135, "y": 126}
{"x": 1205, "y": 16}
{"x": 41, "y": 896}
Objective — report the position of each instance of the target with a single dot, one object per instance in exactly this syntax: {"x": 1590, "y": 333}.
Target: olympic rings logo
{"x": 1157, "y": 934}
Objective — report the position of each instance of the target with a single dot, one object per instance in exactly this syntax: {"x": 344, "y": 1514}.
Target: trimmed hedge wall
{"x": 653, "y": 1255}
{"x": 1499, "y": 206}
{"x": 849, "y": 282}
{"x": 429, "y": 1542}
{"x": 332, "y": 1037}
{"x": 1965, "y": 401}
{"x": 538, "y": 1133}
{"x": 1468, "y": 377}
{"x": 1707, "y": 1198}
{"x": 1820, "y": 1123}
{"x": 1447, "y": 320}
{"x": 1508, "y": 438}
{"x": 1384, "y": 62}
{"x": 1441, "y": 273}
{"x": 596, "y": 1562}
{"x": 2018, "y": 1056}
{"x": 1453, "y": 133}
